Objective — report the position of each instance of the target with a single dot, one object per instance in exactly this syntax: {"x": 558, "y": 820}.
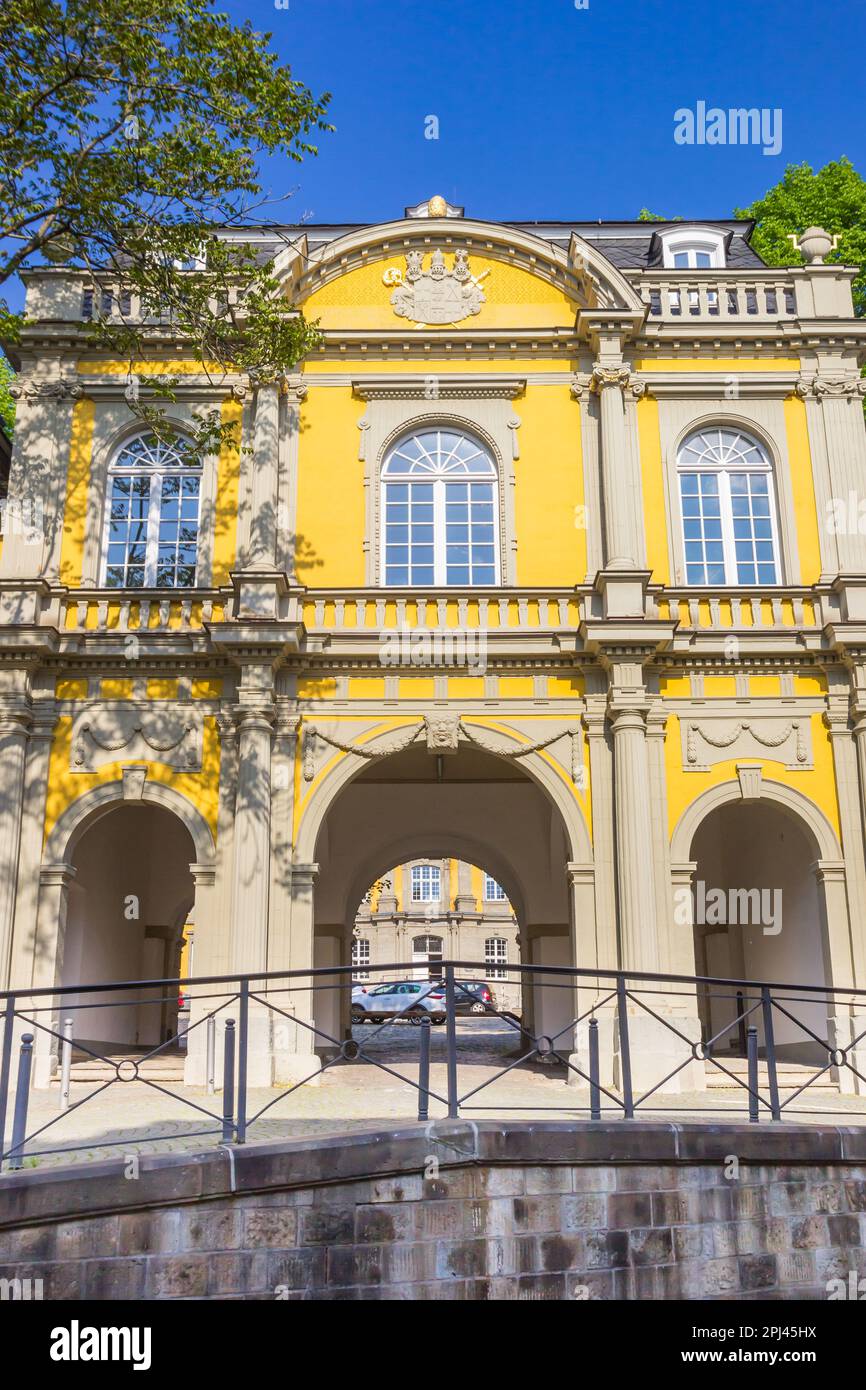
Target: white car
{"x": 412, "y": 998}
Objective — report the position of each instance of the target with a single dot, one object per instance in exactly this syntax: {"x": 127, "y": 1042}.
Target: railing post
{"x": 770, "y": 1049}
{"x": 594, "y": 1092}
{"x": 66, "y": 1063}
{"x": 424, "y": 1070}
{"x": 211, "y": 1053}
{"x": 741, "y": 1021}
{"x": 6, "y": 1068}
{"x": 243, "y": 1043}
{"x": 624, "y": 1053}
{"x": 22, "y": 1096}
{"x": 752, "y": 1054}
{"x": 451, "y": 1041}
{"x": 229, "y": 1082}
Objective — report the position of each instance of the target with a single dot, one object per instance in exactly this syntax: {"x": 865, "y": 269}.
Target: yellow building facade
{"x": 549, "y": 559}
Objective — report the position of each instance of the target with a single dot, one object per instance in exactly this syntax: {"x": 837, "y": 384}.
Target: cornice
{"x": 465, "y": 387}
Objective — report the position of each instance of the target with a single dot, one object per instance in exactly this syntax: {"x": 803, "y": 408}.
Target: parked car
{"x": 473, "y": 997}
{"x": 414, "y": 998}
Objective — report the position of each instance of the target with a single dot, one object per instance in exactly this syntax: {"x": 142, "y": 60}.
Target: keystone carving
{"x": 442, "y": 732}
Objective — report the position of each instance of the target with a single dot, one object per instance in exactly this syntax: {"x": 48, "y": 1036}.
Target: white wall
{"x": 132, "y": 873}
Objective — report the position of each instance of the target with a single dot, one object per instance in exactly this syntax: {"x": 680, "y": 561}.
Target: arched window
{"x": 730, "y": 534}
{"x": 440, "y": 496}
{"x": 154, "y": 494}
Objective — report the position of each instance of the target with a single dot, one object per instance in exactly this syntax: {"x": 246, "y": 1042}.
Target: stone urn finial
{"x": 814, "y": 244}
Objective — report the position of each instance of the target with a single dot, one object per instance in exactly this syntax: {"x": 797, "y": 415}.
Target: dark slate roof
{"x": 627, "y": 245}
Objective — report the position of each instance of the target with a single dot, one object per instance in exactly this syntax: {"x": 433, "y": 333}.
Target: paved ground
{"x": 138, "y": 1117}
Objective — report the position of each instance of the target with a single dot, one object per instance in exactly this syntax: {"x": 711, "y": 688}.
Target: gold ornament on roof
{"x": 437, "y": 206}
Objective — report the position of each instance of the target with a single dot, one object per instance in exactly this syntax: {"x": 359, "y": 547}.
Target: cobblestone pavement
{"x": 120, "y": 1118}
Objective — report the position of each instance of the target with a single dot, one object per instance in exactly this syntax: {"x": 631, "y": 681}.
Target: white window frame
{"x": 493, "y": 891}
{"x": 155, "y": 477}
{"x": 433, "y": 872}
{"x": 440, "y": 483}
{"x": 496, "y": 957}
{"x": 361, "y": 958}
{"x": 689, "y": 241}
{"x": 723, "y": 472}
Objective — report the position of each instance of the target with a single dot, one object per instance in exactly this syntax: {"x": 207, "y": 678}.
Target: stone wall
{"x": 487, "y": 1211}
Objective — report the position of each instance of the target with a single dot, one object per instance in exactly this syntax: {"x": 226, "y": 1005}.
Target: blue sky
{"x": 547, "y": 111}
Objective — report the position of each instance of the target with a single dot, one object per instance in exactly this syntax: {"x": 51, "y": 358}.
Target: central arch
{"x": 517, "y": 819}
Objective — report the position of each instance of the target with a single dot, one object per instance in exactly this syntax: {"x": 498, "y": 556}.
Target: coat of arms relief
{"x": 437, "y": 294}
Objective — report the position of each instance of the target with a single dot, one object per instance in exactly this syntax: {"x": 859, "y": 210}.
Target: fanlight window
{"x": 152, "y": 527}
{"x": 439, "y": 508}
{"x": 728, "y": 509}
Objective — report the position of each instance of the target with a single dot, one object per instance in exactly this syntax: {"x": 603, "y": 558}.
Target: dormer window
{"x": 693, "y": 248}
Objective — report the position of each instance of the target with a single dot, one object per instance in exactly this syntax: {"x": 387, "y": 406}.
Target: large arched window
{"x": 439, "y": 509}
{"x": 730, "y": 535}
{"x": 152, "y": 526}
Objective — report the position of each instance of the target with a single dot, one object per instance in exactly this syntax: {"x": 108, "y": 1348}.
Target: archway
{"x": 522, "y": 827}
{"x": 759, "y": 912}
{"x": 130, "y": 898}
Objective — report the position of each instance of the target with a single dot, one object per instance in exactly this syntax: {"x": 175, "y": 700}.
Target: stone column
{"x": 252, "y": 852}
{"x": 15, "y": 722}
{"x": 33, "y": 524}
{"x": 262, "y": 552}
{"x": 620, "y": 549}
{"x": 294, "y": 392}
{"x": 601, "y": 783}
{"x": 847, "y": 936}
{"x": 54, "y": 884}
{"x": 282, "y": 814}
{"x": 262, "y": 584}
{"x": 44, "y": 715}
{"x": 635, "y": 880}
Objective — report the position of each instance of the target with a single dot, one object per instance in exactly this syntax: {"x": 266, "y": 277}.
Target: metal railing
{"x": 579, "y": 1008}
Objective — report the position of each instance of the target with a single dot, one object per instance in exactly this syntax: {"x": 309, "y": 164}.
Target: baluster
{"x": 340, "y": 612}
{"x": 442, "y": 613}
{"x": 776, "y": 604}
{"x": 503, "y": 612}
